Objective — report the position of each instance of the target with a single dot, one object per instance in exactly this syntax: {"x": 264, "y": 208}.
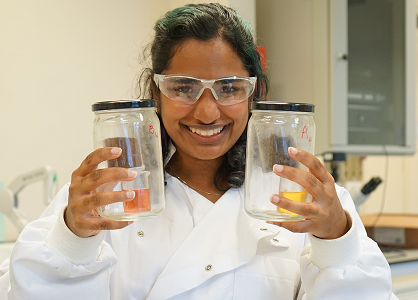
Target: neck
{"x": 198, "y": 175}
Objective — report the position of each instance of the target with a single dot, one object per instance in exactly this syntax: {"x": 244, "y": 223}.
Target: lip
{"x": 208, "y": 139}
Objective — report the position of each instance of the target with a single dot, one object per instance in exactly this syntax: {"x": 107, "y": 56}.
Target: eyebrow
{"x": 185, "y": 80}
{"x": 226, "y": 80}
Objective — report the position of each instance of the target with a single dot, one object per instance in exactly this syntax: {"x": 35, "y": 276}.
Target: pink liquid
{"x": 140, "y": 203}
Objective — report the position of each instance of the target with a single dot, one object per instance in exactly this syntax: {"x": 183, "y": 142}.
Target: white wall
{"x": 56, "y": 59}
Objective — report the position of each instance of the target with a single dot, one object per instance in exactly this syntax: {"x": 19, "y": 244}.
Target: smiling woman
{"x": 216, "y": 43}
{"x": 205, "y": 72}
{"x": 205, "y": 130}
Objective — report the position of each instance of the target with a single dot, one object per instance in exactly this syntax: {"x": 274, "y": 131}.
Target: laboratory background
{"x": 59, "y": 57}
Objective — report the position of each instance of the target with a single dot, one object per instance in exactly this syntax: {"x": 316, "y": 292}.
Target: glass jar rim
{"x": 123, "y": 104}
{"x": 283, "y": 106}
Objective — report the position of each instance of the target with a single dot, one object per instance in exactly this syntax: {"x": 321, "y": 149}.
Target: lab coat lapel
{"x": 223, "y": 240}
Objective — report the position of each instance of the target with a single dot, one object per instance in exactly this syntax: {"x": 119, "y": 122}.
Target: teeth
{"x": 206, "y": 132}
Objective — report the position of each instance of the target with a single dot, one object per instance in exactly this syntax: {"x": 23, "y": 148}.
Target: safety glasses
{"x": 187, "y": 89}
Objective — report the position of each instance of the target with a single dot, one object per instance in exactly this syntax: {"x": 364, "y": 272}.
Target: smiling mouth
{"x": 206, "y": 133}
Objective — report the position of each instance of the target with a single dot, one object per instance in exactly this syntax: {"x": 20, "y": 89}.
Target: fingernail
{"x": 293, "y": 150}
{"x": 130, "y": 194}
{"x": 131, "y": 174}
{"x": 278, "y": 168}
{"x": 116, "y": 150}
{"x": 275, "y": 199}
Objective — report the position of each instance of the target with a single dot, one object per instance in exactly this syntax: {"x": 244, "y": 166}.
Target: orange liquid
{"x": 295, "y": 196}
{"x": 140, "y": 203}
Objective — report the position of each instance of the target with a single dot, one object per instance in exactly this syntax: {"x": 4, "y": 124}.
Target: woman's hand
{"x": 81, "y": 215}
{"x": 325, "y": 217}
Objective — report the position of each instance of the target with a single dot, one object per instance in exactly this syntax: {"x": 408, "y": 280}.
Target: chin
{"x": 209, "y": 155}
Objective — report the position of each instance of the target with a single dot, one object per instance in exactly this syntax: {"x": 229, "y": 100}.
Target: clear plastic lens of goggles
{"x": 188, "y": 89}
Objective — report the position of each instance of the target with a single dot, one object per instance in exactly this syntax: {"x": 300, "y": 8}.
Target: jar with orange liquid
{"x": 272, "y": 129}
{"x": 133, "y": 126}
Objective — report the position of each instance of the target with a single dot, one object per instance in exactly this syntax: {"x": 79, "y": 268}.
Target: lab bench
{"x": 404, "y": 267}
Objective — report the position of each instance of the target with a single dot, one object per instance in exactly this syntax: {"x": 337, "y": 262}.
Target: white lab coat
{"x": 193, "y": 250}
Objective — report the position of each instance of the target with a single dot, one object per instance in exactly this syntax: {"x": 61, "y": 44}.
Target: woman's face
{"x": 204, "y": 130}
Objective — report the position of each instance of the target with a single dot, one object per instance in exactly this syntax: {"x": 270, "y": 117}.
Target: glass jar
{"x": 133, "y": 126}
{"x": 272, "y": 129}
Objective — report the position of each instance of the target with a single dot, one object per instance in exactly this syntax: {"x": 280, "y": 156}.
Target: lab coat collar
{"x": 171, "y": 150}
{"x": 223, "y": 240}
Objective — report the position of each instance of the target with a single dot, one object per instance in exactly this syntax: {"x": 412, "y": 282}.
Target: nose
{"x": 207, "y": 110}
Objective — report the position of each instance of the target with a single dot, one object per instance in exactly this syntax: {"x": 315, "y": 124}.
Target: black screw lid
{"x": 123, "y": 104}
{"x": 283, "y": 106}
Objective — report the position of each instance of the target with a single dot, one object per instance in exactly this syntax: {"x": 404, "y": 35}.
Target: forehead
{"x": 206, "y": 59}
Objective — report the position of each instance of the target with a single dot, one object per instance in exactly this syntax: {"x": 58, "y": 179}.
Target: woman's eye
{"x": 229, "y": 89}
{"x": 183, "y": 89}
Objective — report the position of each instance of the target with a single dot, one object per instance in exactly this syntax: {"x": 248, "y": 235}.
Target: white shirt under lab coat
{"x": 193, "y": 250}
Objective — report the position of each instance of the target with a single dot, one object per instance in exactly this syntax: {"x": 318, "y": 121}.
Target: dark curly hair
{"x": 205, "y": 22}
